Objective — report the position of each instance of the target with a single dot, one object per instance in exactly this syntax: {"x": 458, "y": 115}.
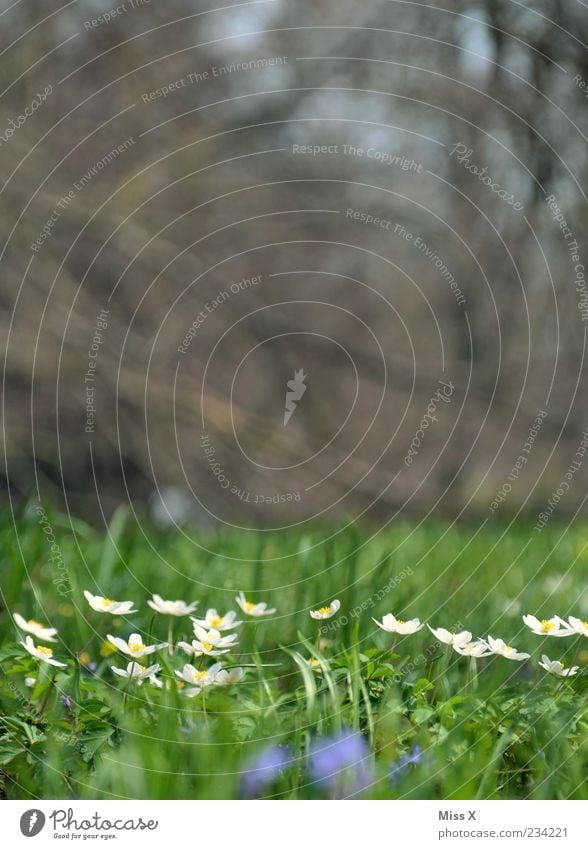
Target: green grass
{"x": 511, "y": 732}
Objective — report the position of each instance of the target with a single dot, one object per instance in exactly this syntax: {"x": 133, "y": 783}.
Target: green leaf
{"x": 309, "y": 680}
{"x": 88, "y": 744}
{"x": 422, "y": 714}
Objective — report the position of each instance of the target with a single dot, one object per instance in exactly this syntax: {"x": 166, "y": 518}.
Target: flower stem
{"x": 473, "y": 675}
{"x": 443, "y": 666}
{"x": 565, "y": 677}
{"x": 170, "y": 636}
{"x": 126, "y": 693}
{"x": 204, "y": 706}
{"x": 45, "y": 699}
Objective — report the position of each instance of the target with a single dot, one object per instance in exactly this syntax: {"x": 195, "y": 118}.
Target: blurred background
{"x": 370, "y": 217}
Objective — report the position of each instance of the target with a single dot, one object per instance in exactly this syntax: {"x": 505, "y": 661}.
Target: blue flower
{"x": 264, "y": 770}
{"x": 341, "y": 764}
{"x": 408, "y": 760}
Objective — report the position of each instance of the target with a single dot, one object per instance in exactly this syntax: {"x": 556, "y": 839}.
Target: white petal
{"x": 120, "y": 644}
{"x": 441, "y": 634}
{"x": 121, "y": 672}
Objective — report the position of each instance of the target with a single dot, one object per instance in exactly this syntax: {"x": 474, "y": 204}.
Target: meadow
{"x": 301, "y": 707}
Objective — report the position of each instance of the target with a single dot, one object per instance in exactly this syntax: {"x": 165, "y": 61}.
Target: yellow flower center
{"x": 136, "y": 647}
{"x": 248, "y": 605}
{"x": 216, "y": 621}
{"x": 400, "y": 622}
{"x": 106, "y": 602}
{"x": 207, "y": 646}
{"x": 508, "y": 648}
{"x": 44, "y": 650}
{"x": 198, "y": 676}
{"x": 325, "y": 611}
{"x": 547, "y": 626}
{"x": 34, "y": 624}
{"x": 585, "y": 624}
{"x": 314, "y": 662}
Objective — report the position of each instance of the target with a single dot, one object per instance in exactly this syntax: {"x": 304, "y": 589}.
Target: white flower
{"x": 460, "y": 639}
{"x": 219, "y": 623}
{"x": 40, "y": 652}
{"x": 479, "y": 648}
{"x": 500, "y": 647}
{"x": 199, "y": 678}
{"x": 30, "y": 681}
{"x": 398, "y": 626}
{"x": 35, "y": 628}
{"x": 326, "y": 612}
{"x": 135, "y": 646}
{"x": 171, "y": 608}
{"x": 190, "y": 648}
{"x": 253, "y": 609}
{"x": 225, "y": 677}
{"x": 578, "y": 626}
{"x": 209, "y": 642}
{"x": 139, "y": 673}
{"x": 107, "y": 605}
{"x": 556, "y": 667}
{"x": 554, "y": 627}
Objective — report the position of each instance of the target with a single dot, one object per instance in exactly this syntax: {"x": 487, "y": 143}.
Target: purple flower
{"x": 407, "y": 761}
{"x": 67, "y": 701}
{"x": 264, "y": 770}
{"x": 341, "y": 764}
